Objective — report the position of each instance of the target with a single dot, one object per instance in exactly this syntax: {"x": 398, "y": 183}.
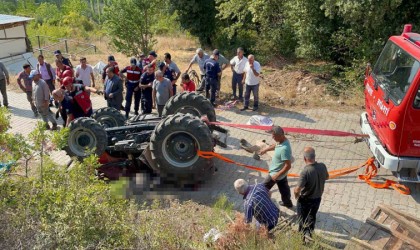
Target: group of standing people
{"x": 150, "y": 82}
{"x": 71, "y": 98}
{"x": 308, "y": 191}
{"x": 246, "y": 73}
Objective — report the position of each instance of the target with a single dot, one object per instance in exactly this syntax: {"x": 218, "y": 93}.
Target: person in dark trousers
{"x": 212, "y": 68}
{"x": 280, "y": 165}
{"x": 132, "y": 81}
{"x": 146, "y": 84}
{"x": 60, "y": 57}
{"x": 252, "y": 82}
{"x": 257, "y": 204}
{"x": 237, "y": 65}
{"x": 113, "y": 89}
{"x": 162, "y": 91}
{"x": 4, "y": 79}
{"x": 47, "y": 74}
{"x": 26, "y": 87}
{"x": 309, "y": 190}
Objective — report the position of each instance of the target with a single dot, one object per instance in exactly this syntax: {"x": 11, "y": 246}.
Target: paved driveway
{"x": 347, "y": 201}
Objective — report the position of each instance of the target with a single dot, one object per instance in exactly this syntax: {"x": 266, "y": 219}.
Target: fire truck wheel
{"x": 190, "y": 103}
{"x": 174, "y": 144}
{"x": 109, "y": 117}
{"x": 86, "y": 136}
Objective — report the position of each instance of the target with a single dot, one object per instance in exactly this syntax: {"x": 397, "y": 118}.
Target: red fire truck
{"x": 392, "y": 99}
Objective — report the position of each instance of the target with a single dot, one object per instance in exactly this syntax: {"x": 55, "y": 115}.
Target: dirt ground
{"x": 283, "y": 84}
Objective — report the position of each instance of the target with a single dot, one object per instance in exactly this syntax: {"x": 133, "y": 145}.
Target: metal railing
{"x": 64, "y": 43}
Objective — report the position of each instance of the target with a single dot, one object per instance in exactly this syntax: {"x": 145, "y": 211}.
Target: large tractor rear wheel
{"x": 109, "y": 117}
{"x": 190, "y": 103}
{"x": 174, "y": 144}
{"x": 86, "y": 136}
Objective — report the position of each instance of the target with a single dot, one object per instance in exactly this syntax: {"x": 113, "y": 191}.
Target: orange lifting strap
{"x": 370, "y": 171}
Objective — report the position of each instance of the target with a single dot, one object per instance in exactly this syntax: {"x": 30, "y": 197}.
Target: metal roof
{"x": 6, "y": 19}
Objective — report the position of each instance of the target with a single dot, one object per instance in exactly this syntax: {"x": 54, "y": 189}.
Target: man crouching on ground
{"x": 257, "y": 203}
{"x": 309, "y": 190}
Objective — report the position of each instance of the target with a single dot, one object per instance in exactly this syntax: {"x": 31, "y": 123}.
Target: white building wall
{"x": 12, "y": 46}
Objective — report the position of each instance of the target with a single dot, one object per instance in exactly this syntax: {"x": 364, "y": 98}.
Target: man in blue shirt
{"x": 212, "y": 69}
{"x": 280, "y": 165}
{"x": 257, "y": 203}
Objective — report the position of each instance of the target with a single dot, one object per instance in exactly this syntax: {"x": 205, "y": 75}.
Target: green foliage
{"x": 128, "y": 23}
{"x": 198, "y": 17}
{"x": 12, "y": 146}
{"x": 8, "y": 6}
{"x": 63, "y": 210}
{"x": 60, "y": 137}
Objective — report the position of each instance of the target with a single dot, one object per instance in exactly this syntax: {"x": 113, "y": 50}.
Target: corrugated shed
{"x": 6, "y": 19}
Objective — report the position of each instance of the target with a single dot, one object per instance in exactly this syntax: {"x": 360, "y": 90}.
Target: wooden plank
{"x": 401, "y": 220}
{"x": 382, "y": 217}
{"x": 369, "y": 233}
{"x": 414, "y": 242}
{"x": 380, "y": 238}
{"x": 354, "y": 242}
{"x": 363, "y": 230}
{"x": 393, "y": 243}
{"x": 409, "y": 217}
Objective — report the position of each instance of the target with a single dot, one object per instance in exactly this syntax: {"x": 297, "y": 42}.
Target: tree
{"x": 128, "y": 24}
{"x": 197, "y": 17}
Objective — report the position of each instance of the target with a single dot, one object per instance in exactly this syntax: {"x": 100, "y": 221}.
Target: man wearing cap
{"x": 146, "y": 86}
{"x": 257, "y": 204}
{"x": 200, "y": 58}
{"x": 60, "y": 57}
{"x": 162, "y": 91}
{"x": 61, "y": 72}
{"x": 113, "y": 89}
{"x": 252, "y": 82}
{"x": 41, "y": 98}
{"x": 26, "y": 87}
{"x": 4, "y": 79}
{"x": 213, "y": 72}
{"x": 84, "y": 72}
{"x": 132, "y": 81}
{"x": 173, "y": 68}
{"x": 150, "y": 61}
{"x": 280, "y": 165}
{"x": 111, "y": 63}
{"x": 309, "y": 190}
{"x": 237, "y": 65}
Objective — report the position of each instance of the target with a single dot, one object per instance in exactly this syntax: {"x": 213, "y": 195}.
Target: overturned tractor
{"x": 167, "y": 145}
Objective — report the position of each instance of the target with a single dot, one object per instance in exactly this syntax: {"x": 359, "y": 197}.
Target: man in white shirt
{"x": 252, "y": 81}
{"x": 237, "y": 65}
{"x": 84, "y": 72}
